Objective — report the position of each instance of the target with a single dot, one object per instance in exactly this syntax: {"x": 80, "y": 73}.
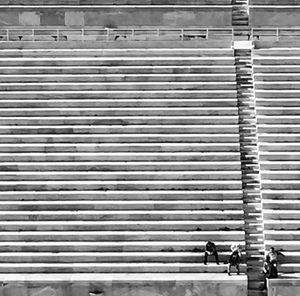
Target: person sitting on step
{"x": 234, "y": 259}
{"x": 210, "y": 250}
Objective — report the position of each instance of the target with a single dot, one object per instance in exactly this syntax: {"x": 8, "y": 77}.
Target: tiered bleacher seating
{"x": 277, "y": 80}
{"x": 118, "y": 160}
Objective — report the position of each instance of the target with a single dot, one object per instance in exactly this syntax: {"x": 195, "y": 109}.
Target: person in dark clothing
{"x": 270, "y": 269}
{"x": 234, "y": 259}
{"x": 210, "y": 250}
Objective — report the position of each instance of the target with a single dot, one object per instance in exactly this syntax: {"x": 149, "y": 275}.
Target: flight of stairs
{"x": 118, "y": 160}
{"x": 277, "y": 83}
{"x": 254, "y": 236}
{"x": 240, "y": 13}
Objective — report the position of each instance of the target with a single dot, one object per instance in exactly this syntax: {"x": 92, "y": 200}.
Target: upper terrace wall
{"x": 279, "y": 13}
{"x": 122, "y": 13}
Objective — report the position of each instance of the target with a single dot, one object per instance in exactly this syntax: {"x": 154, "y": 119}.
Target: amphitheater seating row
{"x": 118, "y": 160}
{"x": 277, "y": 81}
{"x": 115, "y": 2}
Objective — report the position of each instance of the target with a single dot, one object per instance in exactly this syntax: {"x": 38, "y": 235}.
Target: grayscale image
{"x": 149, "y": 147}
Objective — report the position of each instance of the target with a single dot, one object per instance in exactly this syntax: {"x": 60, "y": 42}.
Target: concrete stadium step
{"x": 127, "y": 147}
{"x": 117, "y": 61}
{"x": 280, "y": 85}
{"x": 110, "y": 257}
{"x": 112, "y": 267}
{"x": 209, "y": 120}
{"x": 278, "y": 155}
{"x": 133, "y": 111}
{"x": 117, "y": 52}
{"x": 119, "y": 138}
{"x": 79, "y": 86}
{"x": 282, "y": 235}
{"x": 123, "y": 185}
{"x": 272, "y": 147}
{"x": 274, "y": 102}
{"x": 282, "y": 225}
{"x": 281, "y": 175}
{"x": 276, "y": 51}
{"x": 276, "y": 69}
{"x": 129, "y": 215}
{"x": 281, "y": 184}
{"x": 279, "y": 110}
{"x": 269, "y": 77}
{"x": 130, "y": 195}
{"x": 121, "y": 156}
{"x": 279, "y": 128}
{"x": 113, "y": 94}
{"x": 283, "y": 245}
{"x": 290, "y": 268}
{"x": 270, "y": 93}
{"x": 118, "y": 129}
{"x": 120, "y": 166}
{"x": 121, "y": 205}
{"x": 282, "y": 215}
{"x": 139, "y": 246}
{"x": 280, "y": 194}
{"x": 119, "y": 70}
{"x": 115, "y": 2}
{"x": 282, "y": 119}
{"x": 141, "y": 225}
{"x": 88, "y": 78}
{"x": 280, "y": 137}
{"x": 117, "y": 236}
{"x": 276, "y": 60}
{"x": 127, "y": 103}
{"x": 24, "y": 176}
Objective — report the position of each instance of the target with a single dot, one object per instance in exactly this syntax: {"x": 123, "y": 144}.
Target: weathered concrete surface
{"x": 114, "y": 17}
{"x": 147, "y": 284}
{"x": 284, "y": 287}
{"x": 272, "y": 16}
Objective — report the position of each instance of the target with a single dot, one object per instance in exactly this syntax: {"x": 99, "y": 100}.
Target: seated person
{"x": 234, "y": 259}
{"x": 210, "y": 250}
{"x": 272, "y": 256}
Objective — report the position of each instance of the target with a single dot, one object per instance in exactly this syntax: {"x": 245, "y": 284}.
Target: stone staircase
{"x": 277, "y": 76}
{"x": 118, "y": 160}
{"x": 254, "y": 236}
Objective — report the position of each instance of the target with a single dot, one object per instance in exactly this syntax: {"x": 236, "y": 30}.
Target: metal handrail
{"x": 109, "y": 34}
{"x": 133, "y": 33}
